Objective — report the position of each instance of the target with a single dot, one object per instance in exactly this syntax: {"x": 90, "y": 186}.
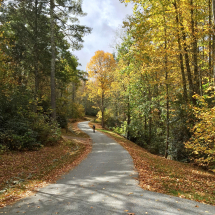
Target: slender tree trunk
{"x": 73, "y": 98}
{"x": 53, "y": 94}
{"x": 194, "y": 50}
{"x": 150, "y": 117}
{"x": 209, "y": 38}
{"x": 213, "y": 8}
{"x": 181, "y": 58}
{"x": 187, "y": 63}
{"x": 145, "y": 124}
{"x": 73, "y": 91}
{"x": 103, "y": 124}
{"x": 129, "y": 118}
{"x": 213, "y": 55}
{"x": 213, "y": 41}
{"x": 36, "y": 54}
{"x": 167, "y": 92}
{"x": 202, "y": 66}
{"x": 167, "y": 116}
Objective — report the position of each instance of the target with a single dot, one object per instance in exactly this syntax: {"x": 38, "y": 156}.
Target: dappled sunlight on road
{"x": 104, "y": 183}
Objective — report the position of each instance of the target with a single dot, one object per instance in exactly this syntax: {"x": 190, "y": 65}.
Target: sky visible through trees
{"x": 162, "y": 93}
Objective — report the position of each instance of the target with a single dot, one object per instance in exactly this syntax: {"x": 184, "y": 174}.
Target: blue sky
{"x": 105, "y": 17}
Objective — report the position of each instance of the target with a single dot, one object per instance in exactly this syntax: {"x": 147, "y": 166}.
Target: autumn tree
{"x": 173, "y": 45}
{"x": 100, "y": 70}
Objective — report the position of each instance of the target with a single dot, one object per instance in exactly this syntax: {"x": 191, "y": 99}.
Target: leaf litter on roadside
{"x": 25, "y": 172}
{"x": 167, "y": 176}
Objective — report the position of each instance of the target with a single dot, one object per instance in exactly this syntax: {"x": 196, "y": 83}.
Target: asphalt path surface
{"x": 104, "y": 183}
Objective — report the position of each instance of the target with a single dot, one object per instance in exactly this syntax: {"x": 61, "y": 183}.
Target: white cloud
{"x": 104, "y": 16}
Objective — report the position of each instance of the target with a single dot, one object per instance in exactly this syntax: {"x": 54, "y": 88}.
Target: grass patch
{"x": 166, "y": 176}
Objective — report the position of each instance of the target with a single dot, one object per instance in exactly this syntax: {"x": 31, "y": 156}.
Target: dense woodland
{"x": 38, "y": 73}
{"x": 159, "y": 92}
{"x": 156, "y": 90}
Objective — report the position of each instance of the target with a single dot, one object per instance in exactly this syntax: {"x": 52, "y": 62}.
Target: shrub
{"x": 28, "y": 130}
{"x": 48, "y": 131}
{"x": 201, "y": 145}
{"x": 76, "y": 111}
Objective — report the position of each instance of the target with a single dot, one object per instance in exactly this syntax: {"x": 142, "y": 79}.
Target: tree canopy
{"x": 100, "y": 73}
{"x": 35, "y": 50}
{"x": 162, "y": 90}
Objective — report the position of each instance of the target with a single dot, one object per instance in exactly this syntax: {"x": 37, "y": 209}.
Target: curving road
{"x": 103, "y": 184}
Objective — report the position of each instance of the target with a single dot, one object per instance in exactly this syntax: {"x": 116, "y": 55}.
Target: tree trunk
{"x": 36, "y": 55}
{"x": 214, "y": 41}
{"x": 145, "y": 127}
{"x": 167, "y": 92}
{"x": 150, "y": 117}
{"x": 213, "y": 56}
{"x": 181, "y": 58}
{"x": 167, "y": 116}
{"x": 209, "y": 38}
{"x": 73, "y": 91}
{"x": 53, "y": 94}
{"x": 187, "y": 63}
{"x": 128, "y": 119}
{"x": 103, "y": 124}
{"x": 194, "y": 50}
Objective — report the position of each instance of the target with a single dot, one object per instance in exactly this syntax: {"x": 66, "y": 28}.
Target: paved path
{"x": 103, "y": 184}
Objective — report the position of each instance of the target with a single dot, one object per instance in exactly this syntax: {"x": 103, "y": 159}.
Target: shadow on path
{"x": 104, "y": 183}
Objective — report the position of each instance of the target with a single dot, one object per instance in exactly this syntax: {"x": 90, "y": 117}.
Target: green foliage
{"x": 31, "y": 132}
{"x": 76, "y": 111}
{"x": 20, "y": 127}
{"x": 48, "y": 131}
{"x": 201, "y": 145}
{"x": 25, "y": 61}
{"x": 62, "y": 121}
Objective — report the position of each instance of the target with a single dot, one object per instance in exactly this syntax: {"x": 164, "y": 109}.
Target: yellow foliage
{"x": 100, "y": 70}
{"x": 201, "y": 145}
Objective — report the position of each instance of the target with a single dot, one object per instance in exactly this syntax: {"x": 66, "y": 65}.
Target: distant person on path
{"x": 94, "y": 127}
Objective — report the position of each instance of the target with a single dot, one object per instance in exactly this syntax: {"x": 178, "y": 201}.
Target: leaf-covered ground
{"x": 169, "y": 177}
{"x": 22, "y": 173}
